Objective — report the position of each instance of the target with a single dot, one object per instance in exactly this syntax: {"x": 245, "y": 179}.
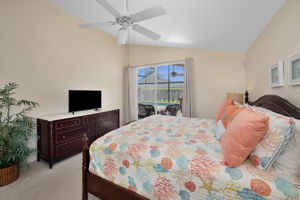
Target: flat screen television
{"x": 84, "y": 100}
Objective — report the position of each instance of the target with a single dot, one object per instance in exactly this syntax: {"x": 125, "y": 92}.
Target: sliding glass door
{"x": 160, "y": 90}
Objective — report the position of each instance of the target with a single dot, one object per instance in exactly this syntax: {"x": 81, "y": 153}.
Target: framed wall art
{"x": 276, "y": 74}
{"x": 294, "y": 70}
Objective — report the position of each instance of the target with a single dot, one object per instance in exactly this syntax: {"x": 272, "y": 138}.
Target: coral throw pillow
{"x": 222, "y": 108}
{"x": 242, "y": 135}
{"x": 230, "y": 113}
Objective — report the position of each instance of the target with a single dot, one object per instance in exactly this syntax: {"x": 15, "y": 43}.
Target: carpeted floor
{"x": 63, "y": 182}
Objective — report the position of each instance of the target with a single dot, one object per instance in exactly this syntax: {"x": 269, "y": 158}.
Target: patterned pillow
{"x": 281, "y": 129}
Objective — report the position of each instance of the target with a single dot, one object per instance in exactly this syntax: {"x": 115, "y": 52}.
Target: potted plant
{"x": 16, "y": 129}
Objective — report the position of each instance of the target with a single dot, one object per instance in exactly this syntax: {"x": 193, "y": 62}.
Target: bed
{"x": 165, "y": 157}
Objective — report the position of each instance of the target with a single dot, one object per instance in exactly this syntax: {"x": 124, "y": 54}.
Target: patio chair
{"x": 171, "y": 110}
{"x": 145, "y": 110}
{"x": 180, "y": 103}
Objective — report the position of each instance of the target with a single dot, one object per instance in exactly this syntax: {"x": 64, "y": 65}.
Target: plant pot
{"x": 9, "y": 174}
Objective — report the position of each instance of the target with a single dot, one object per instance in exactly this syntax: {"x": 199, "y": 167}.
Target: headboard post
{"x": 246, "y": 97}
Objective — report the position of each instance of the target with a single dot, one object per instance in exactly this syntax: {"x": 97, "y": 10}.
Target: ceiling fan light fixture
{"x": 123, "y": 34}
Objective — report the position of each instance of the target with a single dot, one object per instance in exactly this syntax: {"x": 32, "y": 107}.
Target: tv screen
{"x": 84, "y": 100}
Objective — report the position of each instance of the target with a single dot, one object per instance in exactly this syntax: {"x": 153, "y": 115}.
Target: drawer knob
{"x": 63, "y": 137}
{"x": 64, "y": 148}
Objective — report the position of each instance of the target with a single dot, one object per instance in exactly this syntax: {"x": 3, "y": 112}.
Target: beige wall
{"x": 279, "y": 40}
{"x": 215, "y": 74}
{"x": 43, "y": 50}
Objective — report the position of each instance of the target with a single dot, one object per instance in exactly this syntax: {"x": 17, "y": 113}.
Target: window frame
{"x": 156, "y": 82}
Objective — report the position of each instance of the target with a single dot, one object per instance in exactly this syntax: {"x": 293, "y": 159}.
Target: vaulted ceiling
{"x": 230, "y": 25}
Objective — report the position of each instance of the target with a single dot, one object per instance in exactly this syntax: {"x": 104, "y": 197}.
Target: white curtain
{"x": 130, "y": 94}
{"x": 188, "y": 104}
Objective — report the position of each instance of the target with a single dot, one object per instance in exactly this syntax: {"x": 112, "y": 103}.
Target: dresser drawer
{"x": 106, "y": 124}
{"x": 106, "y": 115}
{"x": 68, "y": 148}
{"x": 67, "y": 123}
{"x": 90, "y": 119}
{"x": 104, "y": 131}
{"x": 103, "y": 116}
{"x": 65, "y": 136}
{"x": 71, "y": 147}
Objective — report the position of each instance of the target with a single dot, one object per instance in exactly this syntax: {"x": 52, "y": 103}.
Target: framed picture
{"x": 294, "y": 70}
{"x": 276, "y": 74}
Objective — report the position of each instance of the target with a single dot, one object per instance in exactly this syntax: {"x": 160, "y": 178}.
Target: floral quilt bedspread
{"x": 164, "y": 157}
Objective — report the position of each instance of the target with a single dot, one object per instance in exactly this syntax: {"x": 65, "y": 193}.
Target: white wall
{"x": 215, "y": 74}
{"x": 278, "y": 41}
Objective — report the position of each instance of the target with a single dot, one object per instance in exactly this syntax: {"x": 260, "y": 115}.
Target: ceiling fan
{"x": 174, "y": 73}
{"x": 128, "y": 21}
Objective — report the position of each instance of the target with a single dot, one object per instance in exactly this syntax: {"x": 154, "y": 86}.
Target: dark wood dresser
{"x": 59, "y": 137}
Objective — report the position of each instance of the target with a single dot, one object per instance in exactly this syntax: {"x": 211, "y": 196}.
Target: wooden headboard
{"x": 276, "y": 104}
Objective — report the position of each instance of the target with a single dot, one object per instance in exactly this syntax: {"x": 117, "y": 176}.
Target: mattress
{"x": 165, "y": 157}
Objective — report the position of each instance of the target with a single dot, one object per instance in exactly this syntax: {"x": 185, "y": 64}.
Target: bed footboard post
{"x": 246, "y": 97}
{"x": 85, "y": 165}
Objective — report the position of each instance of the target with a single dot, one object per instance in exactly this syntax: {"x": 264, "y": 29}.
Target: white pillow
{"x": 281, "y": 130}
{"x": 287, "y": 164}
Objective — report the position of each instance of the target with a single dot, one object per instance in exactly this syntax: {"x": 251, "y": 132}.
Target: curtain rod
{"x": 169, "y": 62}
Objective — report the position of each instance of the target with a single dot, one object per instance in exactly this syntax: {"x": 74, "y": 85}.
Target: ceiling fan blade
{"x": 148, "y": 13}
{"x": 96, "y": 24}
{"x": 126, "y": 8}
{"x": 109, "y": 8}
{"x": 145, "y": 32}
{"x": 122, "y": 37}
